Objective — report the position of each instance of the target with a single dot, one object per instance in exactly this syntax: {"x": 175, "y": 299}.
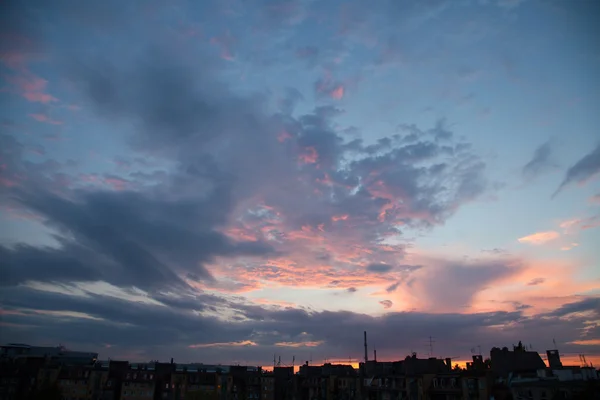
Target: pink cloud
{"x": 31, "y": 87}
{"x": 336, "y": 218}
{"x": 569, "y": 246}
{"x": 241, "y": 234}
{"x": 327, "y": 86}
{"x": 540, "y": 237}
{"x": 310, "y": 156}
{"x": 13, "y": 60}
{"x": 595, "y": 199}
{"x": 7, "y": 182}
{"x": 283, "y": 136}
{"x": 242, "y": 343}
{"x": 116, "y": 183}
{"x": 560, "y": 280}
{"x": 587, "y": 342}
{"x": 113, "y": 182}
{"x": 39, "y": 97}
{"x": 338, "y": 92}
{"x": 44, "y": 118}
{"x": 225, "y": 44}
{"x": 18, "y": 50}
{"x": 579, "y": 224}
{"x": 299, "y": 344}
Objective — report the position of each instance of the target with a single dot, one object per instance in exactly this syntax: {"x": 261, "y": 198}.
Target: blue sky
{"x": 259, "y": 168}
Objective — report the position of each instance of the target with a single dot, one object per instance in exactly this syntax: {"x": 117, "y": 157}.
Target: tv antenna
{"x": 431, "y": 342}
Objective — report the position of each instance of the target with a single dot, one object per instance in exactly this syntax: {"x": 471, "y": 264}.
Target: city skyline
{"x": 228, "y": 180}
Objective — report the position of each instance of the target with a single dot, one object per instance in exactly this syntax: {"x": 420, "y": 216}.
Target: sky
{"x": 225, "y": 181}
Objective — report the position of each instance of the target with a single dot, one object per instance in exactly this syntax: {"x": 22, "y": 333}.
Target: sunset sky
{"x": 224, "y": 180}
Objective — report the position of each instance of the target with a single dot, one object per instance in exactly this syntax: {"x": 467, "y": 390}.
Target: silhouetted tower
{"x": 554, "y": 359}
{"x": 366, "y": 354}
{"x": 431, "y": 342}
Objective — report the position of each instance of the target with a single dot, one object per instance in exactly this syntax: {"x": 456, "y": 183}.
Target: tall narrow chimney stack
{"x": 366, "y": 354}
{"x": 375, "y": 355}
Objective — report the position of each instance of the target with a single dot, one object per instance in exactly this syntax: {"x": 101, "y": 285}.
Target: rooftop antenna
{"x": 279, "y": 361}
{"x": 555, "y": 346}
{"x": 293, "y": 361}
{"x": 374, "y": 355}
{"x": 273, "y": 359}
{"x": 431, "y": 341}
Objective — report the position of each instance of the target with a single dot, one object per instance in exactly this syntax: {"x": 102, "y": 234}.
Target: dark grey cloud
{"x": 540, "y": 162}
{"x": 379, "y": 268}
{"x": 536, "y": 281}
{"x": 439, "y": 284}
{"x": 190, "y": 320}
{"x": 216, "y": 151}
{"x": 392, "y": 288}
{"x": 128, "y": 238}
{"x": 386, "y": 303}
{"x": 585, "y": 304}
{"x": 22, "y": 263}
{"x": 582, "y": 170}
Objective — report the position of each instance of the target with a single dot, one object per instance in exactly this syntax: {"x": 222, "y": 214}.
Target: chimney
{"x": 366, "y": 354}
{"x": 375, "y": 355}
{"x": 171, "y": 360}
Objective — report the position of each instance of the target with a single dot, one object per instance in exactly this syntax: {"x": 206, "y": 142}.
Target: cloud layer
{"x": 245, "y": 178}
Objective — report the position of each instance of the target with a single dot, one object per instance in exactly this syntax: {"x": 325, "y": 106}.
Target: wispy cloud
{"x": 582, "y": 171}
{"x": 241, "y": 343}
{"x": 540, "y": 162}
{"x": 540, "y": 237}
{"x": 299, "y": 344}
{"x": 536, "y": 281}
{"x": 575, "y": 225}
